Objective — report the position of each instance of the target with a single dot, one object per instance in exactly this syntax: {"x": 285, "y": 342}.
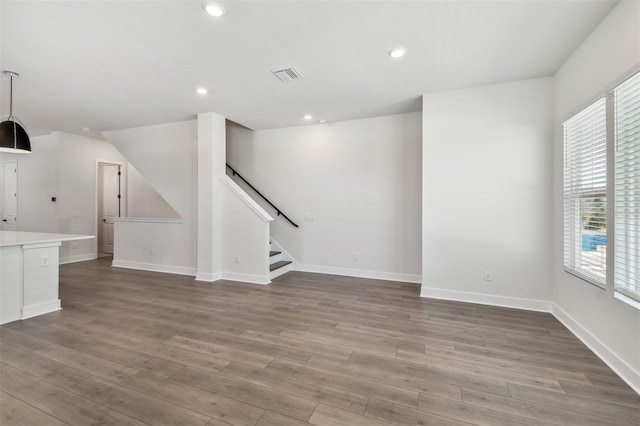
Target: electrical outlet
{"x": 75, "y": 213}
{"x": 45, "y": 261}
{"x": 237, "y": 259}
{"x": 74, "y": 245}
{"x": 309, "y": 217}
{"x": 487, "y": 275}
{"x": 152, "y": 251}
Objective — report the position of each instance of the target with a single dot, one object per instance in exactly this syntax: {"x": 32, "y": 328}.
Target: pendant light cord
{"x": 11, "y": 95}
{"x": 15, "y": 130}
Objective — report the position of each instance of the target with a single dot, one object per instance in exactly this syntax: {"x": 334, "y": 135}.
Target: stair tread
{"x": 278, "y": 265}
{"x": 274, "y": 253}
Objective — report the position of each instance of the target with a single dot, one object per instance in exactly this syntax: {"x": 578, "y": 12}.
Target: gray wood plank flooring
{"x": 136, "y": 348}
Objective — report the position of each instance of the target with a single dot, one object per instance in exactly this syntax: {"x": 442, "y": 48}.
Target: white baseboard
{"x": 246, "y": 278}
{"x": 360, "y": 273}
{"x": 153, "y": 267}
{"x": 41, "y": 308}
{"x": 486, "y": 299}
{"x": 78, "y": 258}
{"x": 622, "y": 369}
{"x": 207, "y": 276}
{"x": 232, "y": 276}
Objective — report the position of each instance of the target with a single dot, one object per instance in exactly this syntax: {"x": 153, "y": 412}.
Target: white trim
{"x": 486, "y": 299}
{"x": 619, "y": 366}
{"x": 96, "y": 193}
{"x": 360, "y": 273}
{"x": 245, "y": 198}
{"x": 626, "y": 299}
{"x": 207, "y": 276}
{"x": 78, "y": 258}
{"x": 154, "y": 267}
{"x": 31, "y": 246}
{"x": 246, "y": 278}
{"x": 2, "y": 190}
{"x": 147, "y": 219}
{"x": 596, "y": 282}
{"x": 40, "y": 308}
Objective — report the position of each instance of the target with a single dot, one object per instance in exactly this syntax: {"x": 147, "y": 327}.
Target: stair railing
{"x": 263, "y": 197}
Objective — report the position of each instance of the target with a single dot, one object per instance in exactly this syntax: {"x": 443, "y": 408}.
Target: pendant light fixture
{"x": 13, "y": 136}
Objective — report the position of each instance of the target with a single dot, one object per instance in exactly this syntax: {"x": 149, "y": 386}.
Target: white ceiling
{"x": 110, "y": 65}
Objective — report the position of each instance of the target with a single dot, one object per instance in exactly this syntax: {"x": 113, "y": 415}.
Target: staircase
{"x": 277, "y": 265}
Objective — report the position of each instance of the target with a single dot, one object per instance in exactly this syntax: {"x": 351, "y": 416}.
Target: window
{"x": 626, "y": 98}
{"x": 585, "y": 197}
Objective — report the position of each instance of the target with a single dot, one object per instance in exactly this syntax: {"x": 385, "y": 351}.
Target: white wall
{"x": 152, "y": 245}
{"x": 487, "y": 194}
{"x": 77, "y": 157}
{"x": 360, "y": 178}
{"x": 143, "y": 200}
{"x": 609, "y": 326}
{"x": 37, "y": 183}
{"x": 166, "y": 155}
{"x": 62, "y": 165}
{"x": 245, "y": 236}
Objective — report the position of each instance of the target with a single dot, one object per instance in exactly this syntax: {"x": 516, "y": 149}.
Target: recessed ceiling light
{"x": 202, "y": 90}
{"x": 323, "y": 121}
{"x": 85, "y": 129}
{"x": 398, "y": 52}
{"x": 308, "y": 117}
{"x": 214, "y": 9}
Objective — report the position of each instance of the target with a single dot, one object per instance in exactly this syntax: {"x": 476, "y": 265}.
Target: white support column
{"x": 211, "y": 164}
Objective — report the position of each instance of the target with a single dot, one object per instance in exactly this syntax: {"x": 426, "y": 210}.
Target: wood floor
{"x": 134, "y": 348}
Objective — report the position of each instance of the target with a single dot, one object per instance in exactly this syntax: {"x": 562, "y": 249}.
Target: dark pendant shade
{"x": 13, "y": 138}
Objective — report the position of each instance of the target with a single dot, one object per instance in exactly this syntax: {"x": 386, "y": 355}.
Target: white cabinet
{"x": 29, "y": 273}
{"x": 10, "y": 284}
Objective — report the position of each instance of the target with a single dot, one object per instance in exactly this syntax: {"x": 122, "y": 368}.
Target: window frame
{"x": 610, "y": 142}
{"x": 577, "y": 272}
{"x": 622, "y": 294}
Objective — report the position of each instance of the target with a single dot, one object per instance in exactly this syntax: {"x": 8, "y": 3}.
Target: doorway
{"x": 109, "y": 205}
{"x": 9, "y": 207}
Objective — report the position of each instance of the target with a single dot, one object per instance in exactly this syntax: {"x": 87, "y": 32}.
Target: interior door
{"x": 110, "y": 204}
{"x": 9, "y": 208}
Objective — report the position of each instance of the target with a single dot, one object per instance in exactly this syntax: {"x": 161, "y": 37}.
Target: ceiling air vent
{"x": 287, "y": 74}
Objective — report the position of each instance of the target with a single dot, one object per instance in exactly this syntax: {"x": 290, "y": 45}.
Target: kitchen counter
{"x": 18, "y": 238}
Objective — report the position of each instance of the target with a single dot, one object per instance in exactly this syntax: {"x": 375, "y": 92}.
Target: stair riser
{"x": 276, "y": 258}
{"x": 280, "y": 271}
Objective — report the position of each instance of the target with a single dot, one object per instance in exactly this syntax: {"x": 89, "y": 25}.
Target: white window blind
{"x": 585, "y": 181}
{"x": 627, "y": 188}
